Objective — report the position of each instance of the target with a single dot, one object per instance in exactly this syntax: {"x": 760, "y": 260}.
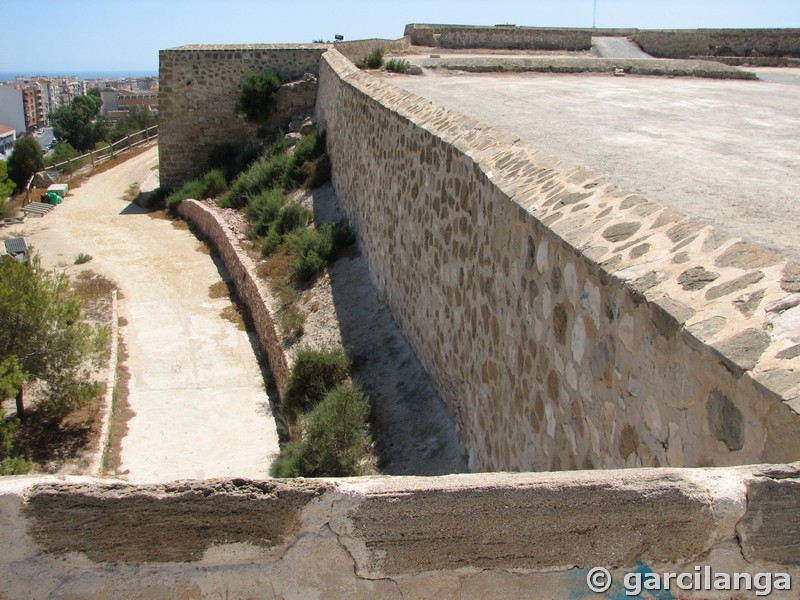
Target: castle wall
{"x": 510, "y": 37}
{"x": 199, "y": 93}
{"x": 566, "y": 323}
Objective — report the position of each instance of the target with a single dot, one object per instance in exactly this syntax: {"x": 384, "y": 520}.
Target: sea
{"x": 135, "y": 73}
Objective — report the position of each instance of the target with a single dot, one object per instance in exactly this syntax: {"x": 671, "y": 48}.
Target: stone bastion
{"x": 645, "y": 365}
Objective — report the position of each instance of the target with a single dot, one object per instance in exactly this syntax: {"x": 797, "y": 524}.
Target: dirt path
{"x": 196, "y": 389}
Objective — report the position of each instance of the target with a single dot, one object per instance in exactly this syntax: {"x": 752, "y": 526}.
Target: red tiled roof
{"x": 4, "y": 130}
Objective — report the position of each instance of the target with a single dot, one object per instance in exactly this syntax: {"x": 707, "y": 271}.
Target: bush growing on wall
{"x": 259, "y": 90}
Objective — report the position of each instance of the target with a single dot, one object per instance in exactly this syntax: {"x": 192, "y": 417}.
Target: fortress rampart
{"x": 198, "y": 98}
{"x": 567, "y": 324}
{"x": 673, "y": 43}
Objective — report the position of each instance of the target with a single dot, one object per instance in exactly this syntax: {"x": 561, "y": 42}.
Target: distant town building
{"x": 33, "y": 104}
{"x": 118, "y": 103}
{"x": 7, "y": 138}
{"x": 12, "y": 108}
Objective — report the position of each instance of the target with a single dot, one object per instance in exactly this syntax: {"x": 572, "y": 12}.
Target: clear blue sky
{"x": 83, "y": 35}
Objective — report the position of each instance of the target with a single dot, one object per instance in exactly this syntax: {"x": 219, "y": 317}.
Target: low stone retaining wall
{"x": 532, "y": 535}
{"x": 242, "y": 271}
{"x": 567, "y": 323}
{"x": 709, "y": 69}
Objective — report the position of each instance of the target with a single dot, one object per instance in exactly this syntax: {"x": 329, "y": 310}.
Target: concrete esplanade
{"x": 567, "y": 324}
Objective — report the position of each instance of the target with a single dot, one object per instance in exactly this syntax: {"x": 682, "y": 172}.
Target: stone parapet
{"x": 567, "y": 323}
{"x": 533, "y": 535}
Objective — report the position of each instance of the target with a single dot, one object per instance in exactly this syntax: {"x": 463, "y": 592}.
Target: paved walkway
{"x": 201, "y": 410}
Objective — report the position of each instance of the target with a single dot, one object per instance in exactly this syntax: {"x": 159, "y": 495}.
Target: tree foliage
{"x": 25, "y": 160}
{"x": 137, "y": 119}
{"x": 11, "y": 380}
{"x": 6, "y": 184}
{"x": 42, "y": 337}
{"x": 79, "y": 124}
{"x": 62, "y": 152}
{"x": 258, "y": 97}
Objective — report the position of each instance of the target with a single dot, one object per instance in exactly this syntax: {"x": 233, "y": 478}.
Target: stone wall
{"x": 511, "y": 37}
{"x": 358, "y": 49}
{"x": 567, "y": 323}
{"x": 242, "y": 272}
{"x": 677, "y": 43}
{"x": 720, "y": 42}
{"x": 198, "y": 96}
{"x": 532, "y": 535}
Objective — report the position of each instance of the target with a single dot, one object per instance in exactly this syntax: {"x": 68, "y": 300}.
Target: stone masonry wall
{"x": 720, "y": 42}
{"x": 522, "y": 536}
{"x": 530, "y": 38}
{"x": 358, "y": 49}
{"x": 567, "y": 323}
{"x": 242, "y": 271}
{"x": 198, "y": 96}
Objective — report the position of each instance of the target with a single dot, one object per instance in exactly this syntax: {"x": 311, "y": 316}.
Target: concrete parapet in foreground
{"x": 532, "y": 535}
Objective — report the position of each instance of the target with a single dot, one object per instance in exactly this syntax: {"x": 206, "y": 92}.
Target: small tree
{"x": 42, "y": 336}
{"x": 25, "y": 160}
{"x": 11, "y": 380}
{"x": 257, "y": 101}
{"x": 6, "y": 185}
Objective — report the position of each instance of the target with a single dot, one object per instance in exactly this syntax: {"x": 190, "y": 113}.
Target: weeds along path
{"x": 196, "y": 392}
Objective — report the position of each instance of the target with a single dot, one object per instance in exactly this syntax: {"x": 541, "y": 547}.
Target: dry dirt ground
{"x": 196, "y": 391}
{"x": 727, "y": 152}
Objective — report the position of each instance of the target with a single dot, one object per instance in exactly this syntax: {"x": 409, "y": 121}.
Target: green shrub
{"x": 307, "y": 267}
{"x": 266, "y": 173}
{"x": 302, "y": 166}
{"x": 322, "y": 172}
{"x": 259, "y": 90}
{"x": 342, "y": 235}
{"x": 303, "y": 240}
{"x": 271, "y": 242}
{"x": 397, "y": 65}
{"x": 375, "y": 59}
{"x": 291, "y": 216}
{"x": 291, "y": 321}
{"x": 82, "y": 258}
{"x": 335, "y": 441}
{"x": 215, "y": 182}
{"x": 263, "y": 209}
{"x": 194, "y": 189}
{"x": 313, "y": 374}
